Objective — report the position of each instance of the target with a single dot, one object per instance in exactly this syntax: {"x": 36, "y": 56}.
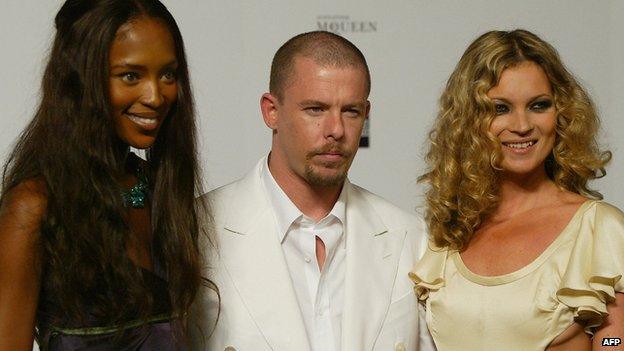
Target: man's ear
{"x": 269, "y": 106}
{"x": 368, "y": 108}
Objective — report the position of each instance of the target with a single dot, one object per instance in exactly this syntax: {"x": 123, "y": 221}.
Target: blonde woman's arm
{"x": 613, "y": 327}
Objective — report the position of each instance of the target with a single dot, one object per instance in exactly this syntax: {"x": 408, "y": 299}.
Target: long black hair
{"x": 71, "y": 146}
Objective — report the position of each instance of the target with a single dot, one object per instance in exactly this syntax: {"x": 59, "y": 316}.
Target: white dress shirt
{"x": 320, "y": 293}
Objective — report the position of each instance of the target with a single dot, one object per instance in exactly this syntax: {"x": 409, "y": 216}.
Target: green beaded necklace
{"x": 135, "y": 196}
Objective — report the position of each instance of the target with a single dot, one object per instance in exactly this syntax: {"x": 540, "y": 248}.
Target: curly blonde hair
{"x": 463, "y": 158}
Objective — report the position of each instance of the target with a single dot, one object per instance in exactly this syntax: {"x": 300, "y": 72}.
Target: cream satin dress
{"x": 574, "y": 279}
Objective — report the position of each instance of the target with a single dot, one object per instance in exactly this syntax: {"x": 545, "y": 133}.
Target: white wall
{"x": 411, "y": 46}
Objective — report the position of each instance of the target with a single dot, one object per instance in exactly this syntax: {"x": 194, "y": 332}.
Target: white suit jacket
{"x": 258, "y": 307}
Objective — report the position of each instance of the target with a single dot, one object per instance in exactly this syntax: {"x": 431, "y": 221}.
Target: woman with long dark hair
{"x": 99, "y": 247}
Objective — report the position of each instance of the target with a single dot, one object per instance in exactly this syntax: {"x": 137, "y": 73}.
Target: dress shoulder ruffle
{"x": 595, "y": 268}
{"x": 428, "y": 274}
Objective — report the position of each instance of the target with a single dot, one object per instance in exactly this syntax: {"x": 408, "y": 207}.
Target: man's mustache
{"x": 329, "y": 148}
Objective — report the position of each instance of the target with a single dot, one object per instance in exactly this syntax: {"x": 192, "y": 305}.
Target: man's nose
{"x": 334, "y": 125}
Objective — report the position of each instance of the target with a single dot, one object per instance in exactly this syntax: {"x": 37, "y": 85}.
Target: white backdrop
{"x": 411, "y": 46}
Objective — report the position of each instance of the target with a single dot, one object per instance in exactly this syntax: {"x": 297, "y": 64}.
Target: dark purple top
{"x": 160, "y": 333}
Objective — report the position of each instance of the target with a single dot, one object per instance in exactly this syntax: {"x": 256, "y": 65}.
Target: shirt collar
{"x": 285, "y": 210}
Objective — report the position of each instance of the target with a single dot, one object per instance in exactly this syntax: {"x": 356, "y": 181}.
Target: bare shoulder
{"x": 23, "y": 206}
{"x": 21, "y": 213}
{"x": 569, "y": 199}
{"x": 563, "y": 207}
{"x": 601, "y": 209}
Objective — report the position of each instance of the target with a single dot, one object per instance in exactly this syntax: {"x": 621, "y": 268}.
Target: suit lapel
{"x": 372, "y": 257}
{"x": 252, "y": 255}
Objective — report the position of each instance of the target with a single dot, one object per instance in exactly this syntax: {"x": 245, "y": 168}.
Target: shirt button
{"x": 308, "y": 259}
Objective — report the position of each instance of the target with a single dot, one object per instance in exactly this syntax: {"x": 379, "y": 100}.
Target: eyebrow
{"x": 356, "y": 105}
{"x": 530, "y": 100}
{"x": 127, "y": 65}
{"x": 306, "y": 103}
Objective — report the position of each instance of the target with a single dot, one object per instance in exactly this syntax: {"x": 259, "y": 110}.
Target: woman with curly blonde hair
{"x": 521, "y": 248}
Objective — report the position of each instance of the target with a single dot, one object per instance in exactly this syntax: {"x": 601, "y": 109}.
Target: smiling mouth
{"x": 520, "y": 146}
{"x": 145, "y": 123}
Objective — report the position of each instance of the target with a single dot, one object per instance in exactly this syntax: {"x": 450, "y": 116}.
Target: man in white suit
{"x": 303, "y": 259}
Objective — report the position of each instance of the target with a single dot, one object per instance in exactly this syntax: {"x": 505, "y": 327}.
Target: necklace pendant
{"x": 135, "y": 197}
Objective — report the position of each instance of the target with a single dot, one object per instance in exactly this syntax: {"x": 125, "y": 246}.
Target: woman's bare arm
{"x": 613, "y": 327}
{"x": 20, "y": 264}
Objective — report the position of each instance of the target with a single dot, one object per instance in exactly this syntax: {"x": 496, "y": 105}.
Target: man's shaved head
{"x": 324, "y": 48}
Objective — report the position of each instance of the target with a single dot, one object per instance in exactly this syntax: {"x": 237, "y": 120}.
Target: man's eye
{"x": 353, "y": 113}
{"x": 314, "y": 109}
